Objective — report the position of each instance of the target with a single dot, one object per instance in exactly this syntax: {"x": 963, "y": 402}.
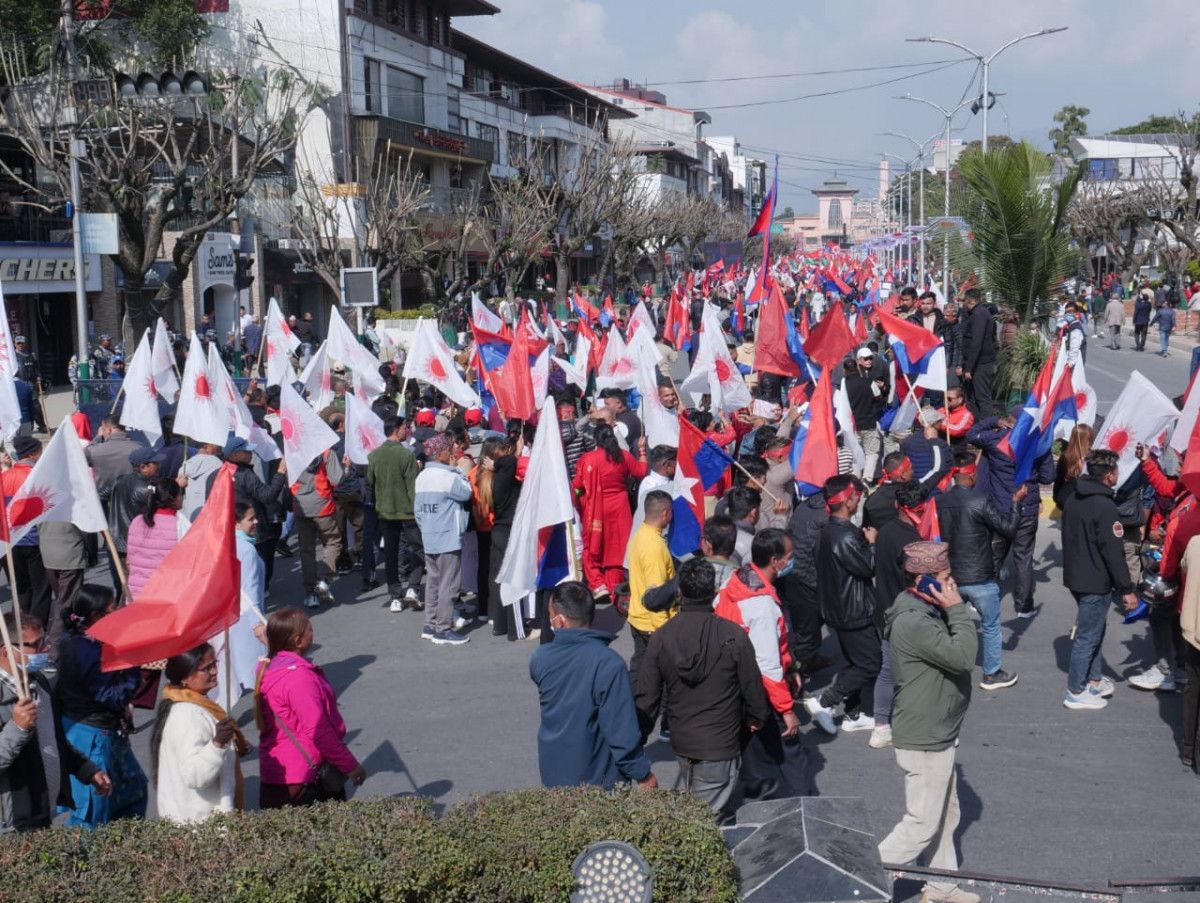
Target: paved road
{"x": 1045, "y": 792}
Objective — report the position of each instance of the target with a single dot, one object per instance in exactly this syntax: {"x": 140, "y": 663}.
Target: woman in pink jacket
{"x": 154, "y": 533}
{"x": 300, "y": 727}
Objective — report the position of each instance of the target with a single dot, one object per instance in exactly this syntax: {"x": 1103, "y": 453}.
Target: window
{"x": 405, "y": 96}
{"x": 1102, "y": 170}
{"x": 835, "y": 214}
{"x": 372, "y": 88}
{"x": 516, "y": 150}
{"x": 453, "y": 122}
{"x": 492, "y": 134}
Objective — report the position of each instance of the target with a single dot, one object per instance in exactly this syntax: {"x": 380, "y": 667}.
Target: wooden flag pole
{"x": 120, "y": 389}
{"x": 120, "y": 568}
{"x": 19, "y": 673}
{"x": 228, "y": 675}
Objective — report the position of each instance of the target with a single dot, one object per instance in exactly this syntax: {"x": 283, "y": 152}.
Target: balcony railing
{"x": 376, "y": 131}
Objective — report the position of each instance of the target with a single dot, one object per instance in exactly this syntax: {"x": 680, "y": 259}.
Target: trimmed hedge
{"x": 503, "y": 847}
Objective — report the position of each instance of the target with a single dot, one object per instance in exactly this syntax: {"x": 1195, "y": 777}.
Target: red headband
{"x": 841, "y": 497}
{"x": 917, "y": 514}
{"x": 969, "y": 469}
{"x": 895, "y": 472}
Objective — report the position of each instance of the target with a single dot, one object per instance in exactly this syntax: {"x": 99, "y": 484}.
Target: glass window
{"x": 835, "y": 214}
{"x": 453, "y": 121}
{"x": 492, "y": 134}
{"x": 1102, "y": 170}
{"x": 516, "y": 150}
{"x": 405, "y": 96}
{"x": 372, "y": 89}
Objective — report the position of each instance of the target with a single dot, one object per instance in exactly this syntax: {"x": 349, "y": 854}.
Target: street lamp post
{"x": 948, "y": 114}
{"x": 920, "y": 146}
{"x": 901, "y": 220}
{"x": 986, "y": 61}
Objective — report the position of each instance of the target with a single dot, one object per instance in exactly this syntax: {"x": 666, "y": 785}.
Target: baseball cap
{"x": 472, "y": 416}
{"x": 141, "y": 456}
{"x": 864, "y": 351}
{"x": 19, "y": 339}
{"x": 118, "y": 359}
{"x": 425, "y": 417}
{"x": 105, "y": 336}
{"x": 234, "y": 444}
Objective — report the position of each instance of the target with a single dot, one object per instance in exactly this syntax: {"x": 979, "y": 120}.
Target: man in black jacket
{"x": 845, "y": 586}
{"x": 247, "y": 487}
{"x": 898, "y": 469}
{"x": 1093, "y": 568}
{"x": 978, "y": 354}
{"x": 714, "y": 690}
{"x": 866, "y": 391}
{"x": 970, "y": 520}
{"x": 800, "y": 586}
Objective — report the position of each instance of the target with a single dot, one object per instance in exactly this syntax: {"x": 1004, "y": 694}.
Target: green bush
{"x": 506, "y": 847}
{"x": 427, "y": 311}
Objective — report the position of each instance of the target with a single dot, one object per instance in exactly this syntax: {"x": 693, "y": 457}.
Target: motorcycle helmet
{"x": 1157, "y": 590}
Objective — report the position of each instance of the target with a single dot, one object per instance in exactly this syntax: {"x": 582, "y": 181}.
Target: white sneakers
{"x": 821, "y": 715}
{"x": 860, "y": 722}
{"x": 1152, "y": 678}
{"x": 881, "y": 737}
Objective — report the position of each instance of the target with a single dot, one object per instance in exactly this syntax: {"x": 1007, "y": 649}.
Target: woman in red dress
{"x": 602, "y": 477}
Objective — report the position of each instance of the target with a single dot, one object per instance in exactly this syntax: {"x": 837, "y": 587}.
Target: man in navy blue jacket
{"x": 589, "y": 732}
{"x": 995, "y": 480}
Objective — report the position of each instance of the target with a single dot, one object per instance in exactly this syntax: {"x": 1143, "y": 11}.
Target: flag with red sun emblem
{"x": 617, "y": 369}
{"x": 430, "y": 362}
{"x": 364, "y": 429}
{"x": 200, "y": 416}
{"x": 1142, "y": 414}
{"x": 713, "y": 372}
{"x": 140, "y": 410}
{"x": 162, "y": 358}
{"x": 305, "y": 434}
{"x": 59, "y": 488}
{"x": 281, "y": 344}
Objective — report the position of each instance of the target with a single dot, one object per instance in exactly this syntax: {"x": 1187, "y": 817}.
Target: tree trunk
{"x": 562, "y": 275}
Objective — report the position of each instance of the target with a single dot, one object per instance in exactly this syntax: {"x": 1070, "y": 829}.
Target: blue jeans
{"x": 1087, "y": 661}
{"x": 1195, "y": 362}
{"x": 885, "y": 686}
{"x": 986, "y": 599}
{"x": 1164, "y": 336}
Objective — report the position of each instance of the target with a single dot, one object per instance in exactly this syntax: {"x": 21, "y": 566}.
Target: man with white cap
{"x": 867, "y": 392}
{"x": 933, "y": 647}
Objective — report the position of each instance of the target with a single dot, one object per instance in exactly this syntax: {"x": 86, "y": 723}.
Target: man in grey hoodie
{"x": 439, "y": 507}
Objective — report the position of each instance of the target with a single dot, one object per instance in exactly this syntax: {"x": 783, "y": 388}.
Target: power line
{"x": 746, "y": 78}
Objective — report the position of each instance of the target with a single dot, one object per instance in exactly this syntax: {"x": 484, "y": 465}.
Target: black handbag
{"x": 328, "y": 778}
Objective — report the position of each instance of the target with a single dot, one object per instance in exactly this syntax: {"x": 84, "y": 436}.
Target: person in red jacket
{"x": 774, "y": 764}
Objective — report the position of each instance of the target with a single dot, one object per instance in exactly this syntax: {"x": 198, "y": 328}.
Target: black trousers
{"x": 265, "y": 544}
{"x": 1021, "y": 547}
{"x": 403, "y": 556}
{"x": 774, "y": 768}
{"x": 864, "y": 656}
{"x": 370, "y": 542}
{"x": 483, "y": 571}
{"x": 803, "y": 612}
{"x": 503, "y": 617}
{"x": 641, "y": 639}
{"x": 33, "y": 586}
{"x": 978, "y": 391}
{"x": 1191, "y": 703}
{"x": 1139, "y": 335}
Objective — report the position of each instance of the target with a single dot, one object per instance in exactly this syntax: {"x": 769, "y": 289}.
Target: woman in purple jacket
{"x": 300, "y": 727}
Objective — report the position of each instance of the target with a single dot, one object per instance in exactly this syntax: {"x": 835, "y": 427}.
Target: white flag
{"x": 575, "y": 375}
{"x": 557, "y": 339}
{"x": 545, "y": 501}
{"x": 344, "y": 346}
{"x": 227, "y": 395}
{"x": 540, "y": 375}
{"x": 364, "y": 430}
{"x": 905, "y": 415}
{"x": 1187, "y": 418}
{"x": 317, "y": 379}
{"x": 280, "y": 344}
{"x": 662, "y": 426}
{"x": 140, "y": 409}
{"x": 200, "y": 416}
{"x": 59, "y": 488}
{"x": 484, "y": 318}
{"x": 640, "y": 319}
{"x": 305, "y": 435}
{"x": 10, "y": 408}
{"x": 429, "y": 361}
{"x": 845, "y": 421}
{"x": 1142, "y": 413}
{"x": 162, "y": 358}
{"x": 617, "y": 367}
{"x": 713, "y": 372}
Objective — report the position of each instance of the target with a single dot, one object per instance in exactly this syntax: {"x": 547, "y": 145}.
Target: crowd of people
{"x": 727, "y": 637}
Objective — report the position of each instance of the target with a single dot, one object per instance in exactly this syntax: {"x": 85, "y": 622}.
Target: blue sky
{"x": 1122, "y": 60}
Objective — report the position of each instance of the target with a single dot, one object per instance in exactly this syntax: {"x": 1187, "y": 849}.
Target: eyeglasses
{"x": 39, "y": 643}
{"x": 210, "y": 668}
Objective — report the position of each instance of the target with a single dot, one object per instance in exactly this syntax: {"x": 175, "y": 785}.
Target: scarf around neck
{"x": 241, "y": 747}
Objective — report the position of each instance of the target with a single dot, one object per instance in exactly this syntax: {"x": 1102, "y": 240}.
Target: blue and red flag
{"x": 762, "y": 223}
{"x": 607, "y": 314}
{"x": 738, "y": 320}
{"x": 700, "y": 465}
{"x": 1033, "y": 433}
{"x": 913, "y": 345}
{"x": 814, "y": 450}
{"x": 584, "y": 309}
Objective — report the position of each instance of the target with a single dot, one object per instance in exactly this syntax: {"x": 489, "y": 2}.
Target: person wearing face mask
{"x": 774, "y": 764}
{"x": 38, "y": 760}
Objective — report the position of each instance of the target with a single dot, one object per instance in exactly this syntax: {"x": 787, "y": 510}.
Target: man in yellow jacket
{"x": 650, "y": 566}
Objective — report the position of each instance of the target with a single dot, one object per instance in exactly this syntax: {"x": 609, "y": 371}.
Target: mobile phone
{"x": 928, "y": 585}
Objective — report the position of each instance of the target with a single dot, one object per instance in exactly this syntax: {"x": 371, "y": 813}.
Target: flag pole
{"x": 120, "y": 389}
{"x": 120, "y": 569}
{"x": 20, "y": 674}
{"x": 228, "y": 675}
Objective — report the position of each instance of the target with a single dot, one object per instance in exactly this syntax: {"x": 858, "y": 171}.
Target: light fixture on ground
{"x": 612, "y": 872}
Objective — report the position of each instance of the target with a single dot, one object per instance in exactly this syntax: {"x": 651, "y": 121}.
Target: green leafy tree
{"x": 788, "y": 213}
{"x": 1018, "y": 224}
{"x": 1072, "y": 121}
{"x": 1151, "y": 125}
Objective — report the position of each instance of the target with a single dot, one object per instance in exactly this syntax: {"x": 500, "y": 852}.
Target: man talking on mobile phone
{"x": 933, "y": 646}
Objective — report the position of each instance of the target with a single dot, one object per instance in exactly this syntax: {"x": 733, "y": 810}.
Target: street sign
{"x": 360, "y": 286}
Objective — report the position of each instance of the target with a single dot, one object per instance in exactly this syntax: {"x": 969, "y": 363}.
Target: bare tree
{"x": 162, "y": 165}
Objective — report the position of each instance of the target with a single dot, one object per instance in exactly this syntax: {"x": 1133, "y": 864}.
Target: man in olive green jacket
{"x": 392, "y": 473}
{"x": 933, "y": 644}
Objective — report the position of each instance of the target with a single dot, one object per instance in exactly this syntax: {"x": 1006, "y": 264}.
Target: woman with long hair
{"x": 93, "y": 705}
{"x": 1072, "y": 461}
{"x": 602, "y": 479}
{"x": 483, "y": 515}
{"x": 499, "y": 490}
{"x": 195, "y": 745}
{"x": 300, "y": 727}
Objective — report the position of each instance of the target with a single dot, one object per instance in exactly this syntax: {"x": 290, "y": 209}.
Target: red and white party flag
{"x": 140, "y": 408}
{"x": 617, "y": 368}
{"x": 429, "y": 361}
{"x": 713, "y": 372}
{"x": 281, "y": 343}
{"x": 344, "y": 346}
{"x": 200, "y": 416}
{"x": 364, "y": 429}
{"x": 305, "y": 435}
{"x": 162, "y": 359}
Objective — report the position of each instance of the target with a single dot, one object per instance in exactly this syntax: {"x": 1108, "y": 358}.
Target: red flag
{"x": 860, "y": 328}
{"x": 803, "y": 326}
{"x": 929, "y": 527}
{"x": 771, "y": 354}
{"x": 831, "y": 340}
{"x": 512, "y": 383}
{"x": 190, "y": 598}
